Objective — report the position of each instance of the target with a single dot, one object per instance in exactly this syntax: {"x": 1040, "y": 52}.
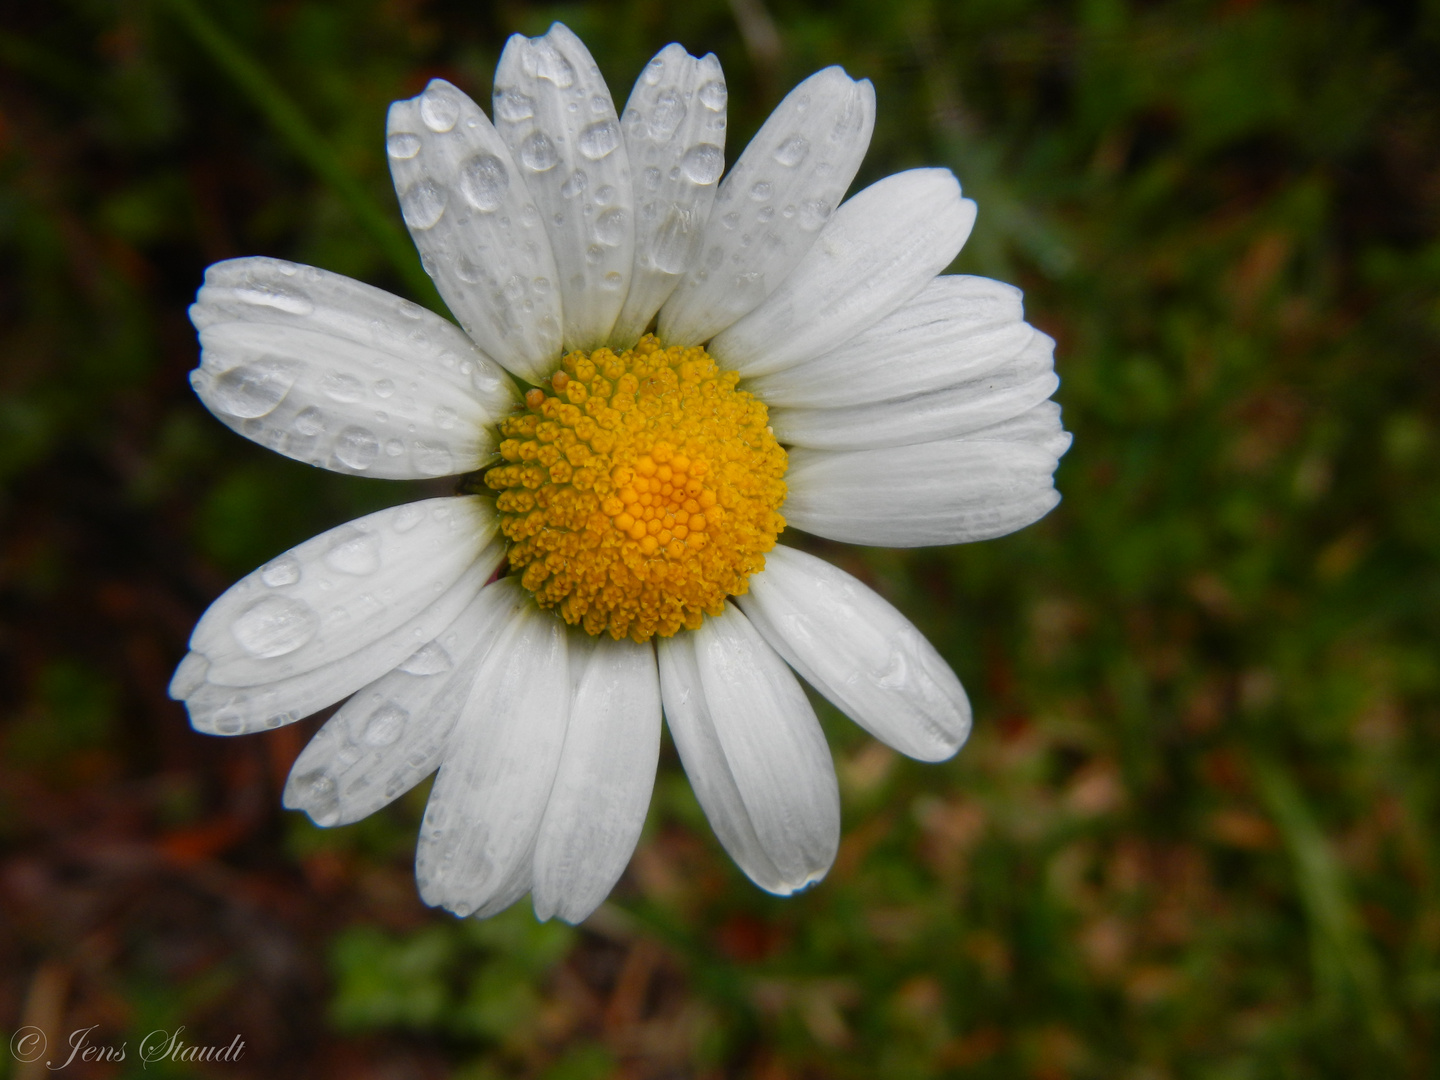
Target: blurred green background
{"x": 1196, "y": 833}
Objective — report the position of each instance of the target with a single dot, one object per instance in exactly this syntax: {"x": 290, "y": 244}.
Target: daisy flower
{"x": 659, "y": 370}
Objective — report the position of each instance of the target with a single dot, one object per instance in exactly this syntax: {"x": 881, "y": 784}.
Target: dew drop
{"x": 600, "y": 139}
{"x": 343, "y": 388}
{"x": 484, "y": 181}
{"x": 291, "y": 302}
{"x": 792, "y": 151}
{"x": 762, "y": 191}
{"x": 280, "y": 572}
{"x": 514, "y": 106}
{"x": 529, "y": 216}
{"x": 610, "y": 227}
{"x": 467, "y": 271}
{"x": 252, "y": 390}
{"x": 713, "y": 95}
{"x": 429, "y": 659}
{"x": 575, "y": 184}
{"x": 439, "y": 107}
{"x": 356, "y": 447}
{"x": 542, "y": 60}
{"x": 402, "y": 145}
{"x": 394, "y": 448}
{"x": 703, "y": 164}
{"x": 673, "y": 241}
{"x": 422, "y": 204}
{"x": 666, "y": 116}
{"x": 433, "y": 459}
{"x": 613, "y": 280}
{"x": 309, "y": 422}
{"x": 275, "y": 626}
{"x": 652, "y": 178}
{"x": 385, "y": 725}
{"x": 407, "y": 517}
{"x": 228, "y": 721}
{"x": 354, "y": 552}
{"x": 812, "y": 214}
{"x": 653, "y": 71}
{"x": 538, "y": 152}
{"x": 383, "y": 388}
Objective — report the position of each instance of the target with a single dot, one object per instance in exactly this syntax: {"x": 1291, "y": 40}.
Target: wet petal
{"x": 602, "y": 789}
{"x": 555, "y": 113}
{"x": 879, "y": 249}
{"x": 861, "y": 653}
{"x": 773, "y": 204}
{"x": 333, "y": 373}
{"x": 674, "y": 127}
{"x": 477, "y": 227}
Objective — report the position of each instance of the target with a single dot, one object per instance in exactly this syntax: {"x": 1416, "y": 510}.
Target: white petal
{"x": 860, "y": 653}
{"x": 1010, "y": 390}
{"x": 332, "y": 372}
{"x": 772, "y": 205}
{"x": 879, "y": 249}
{"x": 753, "y": 751}
{"x": 238, "y": 710}
{"x": 602, "y": 789}
{"x": 477, "y": 227}
{"x": 340, "y": 591}
{"x": 930, "y": 493}
{"x": 392, "y": 734}
{"x": 479, "y": 831}
{"x": 555, "y": 113}
{"x": 1039, "y": 426}
{"x": 957, "y": 328}
{"x": 674, "y": 126}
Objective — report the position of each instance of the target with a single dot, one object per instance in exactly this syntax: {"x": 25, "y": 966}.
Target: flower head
{"x": 658, "y": 371}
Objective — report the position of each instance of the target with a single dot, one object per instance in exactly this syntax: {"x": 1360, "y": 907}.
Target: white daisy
{"x": 634, "y": 490}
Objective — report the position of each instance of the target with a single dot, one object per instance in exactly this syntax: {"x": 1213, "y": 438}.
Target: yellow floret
{"x": 641, "y": 491}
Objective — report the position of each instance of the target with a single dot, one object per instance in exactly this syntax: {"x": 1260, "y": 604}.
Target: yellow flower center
{"x": 641, "y": 491}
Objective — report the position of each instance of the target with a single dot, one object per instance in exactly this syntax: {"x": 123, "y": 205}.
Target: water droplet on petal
{"x": 575, "y": 184}
{"x": 439, "y": 107}
{"x": 356, "y": 447}
{"x": 653, "y": 70}
{"x": 613, "y": 280}
{"x": 792, "y": 151}
{"x": 538, "y": 152}
{"x": 600, "y": 139}
{"x": 292, "y": 302}
{"x": 713, "y": 95}
{"x": 309, "y": 422}
{"x": 252, "y": 390}
{"x": 542, "y": 60}
{"x": 673, "y": 241}
{"x": 762, "y": 191}
{"x": 341, "y": 387}
{"x": 703, "y": 164}
{"x": 666, "y": 116}
{"x": 354, "y": 552}
{"x": 611, "y": 227}
{"x": 468, "y": 272}
{"x": 514, "y": 106}
{"x": 433, "y": 459}
{"x": 402, "y": 145}
{"x": 280, "y": 572}
{"x": 484, "y": 181}
{"x": 407, "y": 517}
{"x": 812, "y": 214}
{"x": 385, "y": 725}
{"x": 422, "y": 204}
{"x": 383, "y": 388}
{"x": 429, "y": 659}
{"x": 275, "y": 626}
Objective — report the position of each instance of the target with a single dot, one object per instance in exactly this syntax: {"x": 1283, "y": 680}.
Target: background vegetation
{"x": 1197, "y": 831}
